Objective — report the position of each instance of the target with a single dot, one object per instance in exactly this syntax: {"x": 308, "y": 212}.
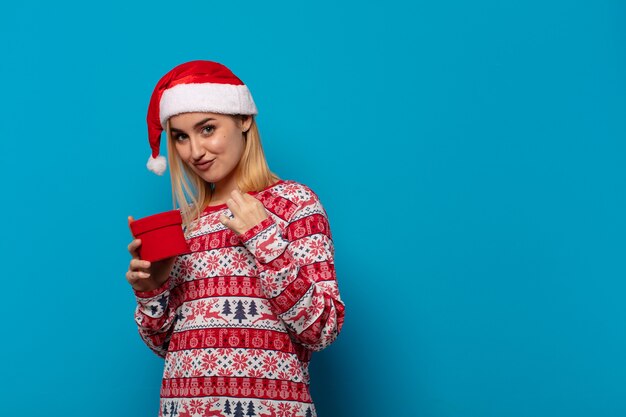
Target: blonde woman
{"x": 238, "y": 318}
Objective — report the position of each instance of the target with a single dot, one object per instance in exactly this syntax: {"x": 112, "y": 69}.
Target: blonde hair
{"x": 252, "y": 174}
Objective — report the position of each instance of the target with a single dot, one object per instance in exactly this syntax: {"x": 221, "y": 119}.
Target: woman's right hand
{"x": 143, "y": 275}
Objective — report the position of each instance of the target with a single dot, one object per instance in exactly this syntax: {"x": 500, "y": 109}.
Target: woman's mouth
{"x": 205, "y": 165}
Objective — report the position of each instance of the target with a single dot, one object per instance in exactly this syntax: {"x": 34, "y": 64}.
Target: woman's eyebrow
{"x": 200, "y": 123}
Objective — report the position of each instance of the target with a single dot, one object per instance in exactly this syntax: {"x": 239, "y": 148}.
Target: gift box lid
{"x": 156, "y": 221}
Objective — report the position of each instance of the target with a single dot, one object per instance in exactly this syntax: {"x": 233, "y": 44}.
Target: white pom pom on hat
{"x": 195, "y": 86}
{"x": 157, "y": 165}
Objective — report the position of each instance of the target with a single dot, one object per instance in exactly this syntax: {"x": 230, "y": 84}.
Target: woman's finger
{"x": 134, "y": 244}
{"x": 238, "y": 197}
{"x": 250, "y": 206}
{"x": 249, "y": 197}
{"x": 234, "y": 206}
{"x": 138, "y": 265}
{"x": 255, "y": 202}
{"x": 224, "y": 220}
{"x": 131, "y": 277}
{"x": 132, "y": 248}
{"x": 134, "y": 276}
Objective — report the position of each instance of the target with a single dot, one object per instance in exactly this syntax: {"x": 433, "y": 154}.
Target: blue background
{"x": 470, "y": 156}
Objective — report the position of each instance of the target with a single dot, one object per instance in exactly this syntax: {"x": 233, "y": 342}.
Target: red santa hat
{"x": 195, "y": 86}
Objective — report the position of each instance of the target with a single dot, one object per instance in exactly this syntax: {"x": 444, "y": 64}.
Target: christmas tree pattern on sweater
{"x": 239, "y": 316}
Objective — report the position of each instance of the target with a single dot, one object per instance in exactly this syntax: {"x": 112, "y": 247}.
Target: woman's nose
{"x": 197, "y": 151}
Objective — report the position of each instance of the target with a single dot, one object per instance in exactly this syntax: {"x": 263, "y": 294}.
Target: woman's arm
{"x": 297, "y": 272}
{"x": 154, "y": 317}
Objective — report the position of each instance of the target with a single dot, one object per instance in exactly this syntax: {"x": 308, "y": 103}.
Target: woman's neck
{"x": 222, "y": 190}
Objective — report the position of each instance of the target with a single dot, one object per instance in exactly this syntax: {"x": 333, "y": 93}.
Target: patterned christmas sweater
{"x": 239, "y": 317}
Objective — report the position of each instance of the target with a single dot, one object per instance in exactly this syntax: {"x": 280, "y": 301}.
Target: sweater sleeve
{"x": 297, "y": 272}
{"x": 154, "y": 317}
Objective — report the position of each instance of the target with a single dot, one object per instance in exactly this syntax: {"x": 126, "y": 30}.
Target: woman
{"x": 237, "y": 318}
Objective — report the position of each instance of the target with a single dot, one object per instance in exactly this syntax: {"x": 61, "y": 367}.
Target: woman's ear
{"x": 246, "y": 122}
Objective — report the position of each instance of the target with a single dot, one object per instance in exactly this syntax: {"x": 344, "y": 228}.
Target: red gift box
{"x": 161, "y": 236}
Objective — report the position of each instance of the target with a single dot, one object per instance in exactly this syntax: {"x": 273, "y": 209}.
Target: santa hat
{"x": 195, "y": 86}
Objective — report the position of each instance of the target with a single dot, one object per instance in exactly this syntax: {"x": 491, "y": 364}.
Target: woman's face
{"x": 202, "y": 137}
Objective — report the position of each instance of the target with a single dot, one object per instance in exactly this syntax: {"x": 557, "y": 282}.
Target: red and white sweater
{"x": 239, "y": 317}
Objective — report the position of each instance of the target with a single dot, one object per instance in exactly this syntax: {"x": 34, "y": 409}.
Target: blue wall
{"x": 470, "y": 155}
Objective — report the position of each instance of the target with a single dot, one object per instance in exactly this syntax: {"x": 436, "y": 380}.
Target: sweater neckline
{"x": 210, "y": 209}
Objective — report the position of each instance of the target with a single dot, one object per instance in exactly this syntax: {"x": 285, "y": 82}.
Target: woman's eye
{"x": 208, "y": 129}
{"x": 179, "y": 137}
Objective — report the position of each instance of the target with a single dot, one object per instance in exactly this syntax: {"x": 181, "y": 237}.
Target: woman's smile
{"x": 204, "y": 165}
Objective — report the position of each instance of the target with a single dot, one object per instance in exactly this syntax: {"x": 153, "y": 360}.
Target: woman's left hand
{"x": 247, "y": 211}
